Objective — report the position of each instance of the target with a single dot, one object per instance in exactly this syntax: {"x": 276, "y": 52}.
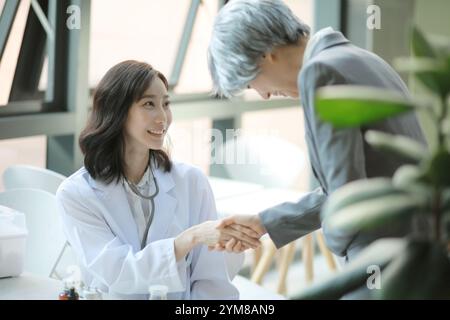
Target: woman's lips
{"x": 158, "y": 133}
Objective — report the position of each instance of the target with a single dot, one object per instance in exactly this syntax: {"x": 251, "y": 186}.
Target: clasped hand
{"x": 237, "y": 233}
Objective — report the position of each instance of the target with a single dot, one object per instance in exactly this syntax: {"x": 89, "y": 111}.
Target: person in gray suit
{"x": 262, "y": 45}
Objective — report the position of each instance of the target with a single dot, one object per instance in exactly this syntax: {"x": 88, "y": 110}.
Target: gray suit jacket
{"x": 340, "y": 156}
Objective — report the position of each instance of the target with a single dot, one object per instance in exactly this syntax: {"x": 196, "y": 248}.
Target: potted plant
{"x": 417, "y": 266}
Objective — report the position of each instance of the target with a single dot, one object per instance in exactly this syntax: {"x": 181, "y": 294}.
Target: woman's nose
{"x": 161, "y": 116}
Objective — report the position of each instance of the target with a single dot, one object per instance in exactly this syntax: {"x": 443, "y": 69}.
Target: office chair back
{"x": 25, "y": 176}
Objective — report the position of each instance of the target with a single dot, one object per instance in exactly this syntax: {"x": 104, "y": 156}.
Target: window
{"x": 2, "y": 4}
{"x": 11, "y": 53}
{"x": 146, "y": 30}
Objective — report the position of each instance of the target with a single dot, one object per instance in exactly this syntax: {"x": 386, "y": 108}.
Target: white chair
{"x": 25, "y": 176}
{"x": 45, "y": 240}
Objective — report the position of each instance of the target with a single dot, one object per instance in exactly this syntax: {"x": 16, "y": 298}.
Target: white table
{"x": 251, "y": 291}
{"x": 31, "y": 287}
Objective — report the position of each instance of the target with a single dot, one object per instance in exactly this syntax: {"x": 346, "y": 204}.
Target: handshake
{"x": 237, "y": 233}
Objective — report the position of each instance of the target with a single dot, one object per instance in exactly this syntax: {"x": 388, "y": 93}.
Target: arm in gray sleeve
{"x": 337, "y": 156}
{"x": 289, "y": 221}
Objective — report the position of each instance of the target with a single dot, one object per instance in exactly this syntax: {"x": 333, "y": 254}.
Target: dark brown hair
{"x": 102, "y": 141}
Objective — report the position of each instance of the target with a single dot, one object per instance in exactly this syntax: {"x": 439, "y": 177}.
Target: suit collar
{"x": 322, "y": 40}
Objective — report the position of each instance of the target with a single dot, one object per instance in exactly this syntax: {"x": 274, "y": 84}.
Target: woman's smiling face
{"x": 149, "y": 118}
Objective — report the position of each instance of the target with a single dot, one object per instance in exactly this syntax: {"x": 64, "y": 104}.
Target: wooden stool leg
{"x": 287, "y": 255}
{"x": 264, "y": 263}
{"x": 325, "y": 252}
{"x": 308, "y": 256}
{"x": 257, "y": 253}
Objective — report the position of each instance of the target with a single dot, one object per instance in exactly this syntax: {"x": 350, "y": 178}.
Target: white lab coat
{"x": 101, "y": 230}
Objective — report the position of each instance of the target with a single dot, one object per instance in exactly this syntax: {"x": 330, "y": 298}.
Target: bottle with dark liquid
{"x": 69, "y": 293}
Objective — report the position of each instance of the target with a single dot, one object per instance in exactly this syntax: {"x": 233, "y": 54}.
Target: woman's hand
{"x": 249, "y": 225}
{"x": 215, "y": 234}
{"x": 211, "y": 233}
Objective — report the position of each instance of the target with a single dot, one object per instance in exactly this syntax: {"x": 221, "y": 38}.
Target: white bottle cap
{"x": 92, "y": 294}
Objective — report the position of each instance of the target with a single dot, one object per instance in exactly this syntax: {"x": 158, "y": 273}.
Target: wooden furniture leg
{"x": 308, "y": 256}
{"x": 264, "y": 263}
{"x": 325, "y": 251}
{"x": 257, "y": 253}
{"x": 287, "y": 255}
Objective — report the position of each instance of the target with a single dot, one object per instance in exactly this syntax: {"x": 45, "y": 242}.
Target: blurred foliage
{"x": 417, "y": 266}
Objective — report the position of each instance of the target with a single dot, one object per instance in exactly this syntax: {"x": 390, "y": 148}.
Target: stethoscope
{"x": 152, "y": 201}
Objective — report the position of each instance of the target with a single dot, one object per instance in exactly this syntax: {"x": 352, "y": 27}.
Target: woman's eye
{"x": 148, "y": 103}
{"x": 167, "y": 103}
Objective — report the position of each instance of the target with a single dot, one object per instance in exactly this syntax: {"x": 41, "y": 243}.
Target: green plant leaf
{"x": 433, "y": 73}
{"x": 437, "y": 81}
{"x": 420, "y": 45}
{"x": 417, "y": 65}
{"x": 438, "y": 171}
{"x": 375, "y": 212}
{"x": 446, "y": 200}
{"x": 355, "y": 274}
{"x": 353, "y": 106}
{"x": 435, "y": 78}
{"x": 422, "y": 271}
{"x": 440, "y": 43}
{"x": 412, "y": 179}
{"x": 400, "y": 145}
{"x": 437, "y": 86}
{"x": 407, "y": 175}
{"x": 357, "y": 191}
{"x": 446, "y": 125}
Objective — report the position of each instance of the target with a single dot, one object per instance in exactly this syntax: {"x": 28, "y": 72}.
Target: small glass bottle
{"x": 73, "y": 294}
{"x": 64, "y": 295}
{"x": 158, "y": 292}
{"x": 69, "y": 292}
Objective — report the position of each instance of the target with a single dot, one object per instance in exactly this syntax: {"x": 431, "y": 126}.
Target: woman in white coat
{"x": 135, "y": 218}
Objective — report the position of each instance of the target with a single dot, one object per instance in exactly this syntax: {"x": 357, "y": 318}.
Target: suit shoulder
{"x": 317, "y": 68}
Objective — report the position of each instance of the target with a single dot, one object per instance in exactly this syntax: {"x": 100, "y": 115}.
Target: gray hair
{"x": 243, "y": 31}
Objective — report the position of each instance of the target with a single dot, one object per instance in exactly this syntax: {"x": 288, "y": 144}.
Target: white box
{"x": 13, "y": 235}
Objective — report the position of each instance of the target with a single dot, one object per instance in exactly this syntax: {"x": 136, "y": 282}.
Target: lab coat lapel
{"x": 165, "y": 206}
{"x": 118, "y": 213}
